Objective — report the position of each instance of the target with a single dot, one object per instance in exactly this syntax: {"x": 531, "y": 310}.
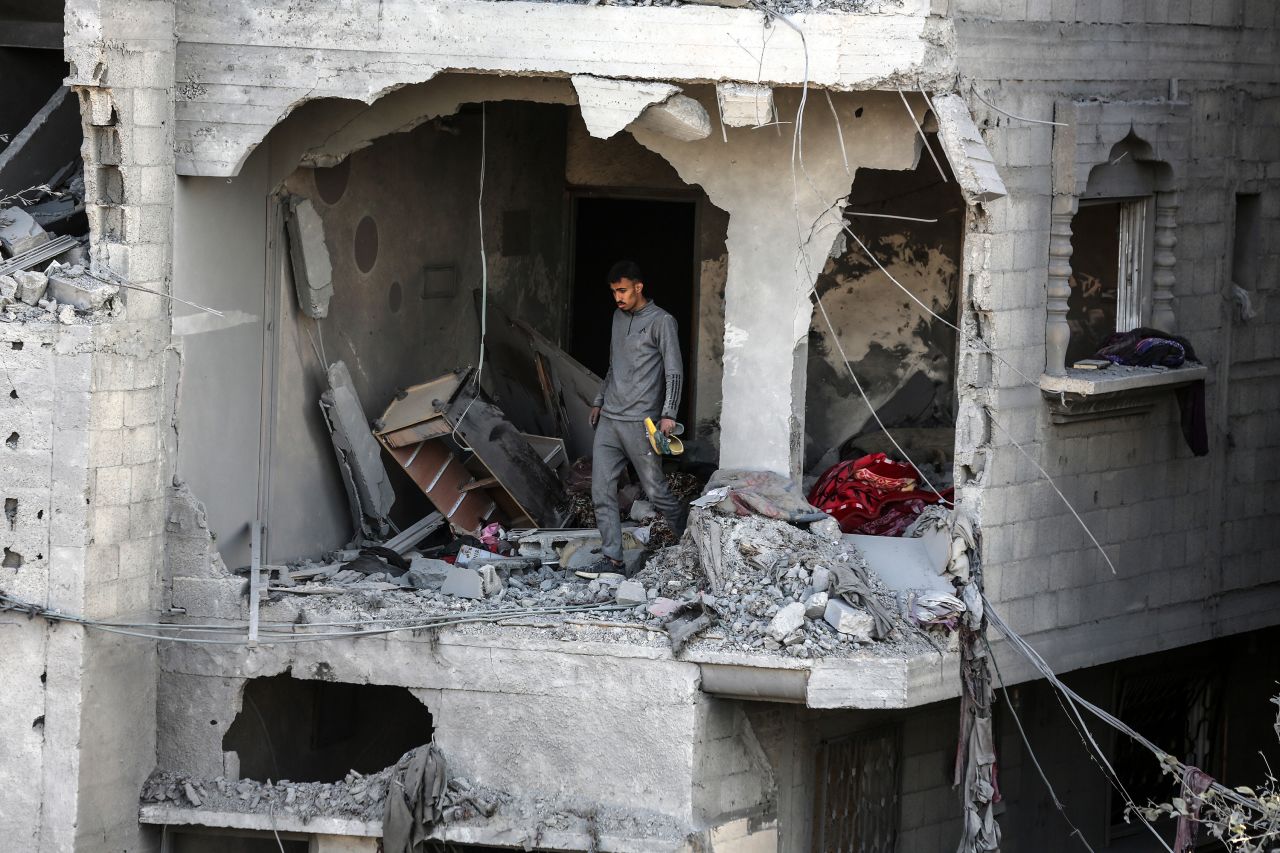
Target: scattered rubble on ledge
{"x": 355, "y": 796}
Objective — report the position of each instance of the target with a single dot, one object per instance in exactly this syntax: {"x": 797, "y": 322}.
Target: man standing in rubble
{"x": 644, "y": 381}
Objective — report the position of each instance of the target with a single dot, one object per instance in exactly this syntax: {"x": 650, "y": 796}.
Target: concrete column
{"x": 107, "y": 466}
{"x": 784, "y": 205}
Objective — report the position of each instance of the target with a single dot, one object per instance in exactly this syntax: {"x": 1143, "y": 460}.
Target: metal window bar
{"x": 858, "y": 793}
{"x": 1131, "y": 279}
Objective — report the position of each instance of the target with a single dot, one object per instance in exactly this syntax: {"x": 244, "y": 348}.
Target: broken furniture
{"x": 471, "y": 462}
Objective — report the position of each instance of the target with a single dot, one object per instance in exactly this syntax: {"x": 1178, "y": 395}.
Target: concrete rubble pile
{"x": 355, "y": 796}
{"x": 43, "y": 275}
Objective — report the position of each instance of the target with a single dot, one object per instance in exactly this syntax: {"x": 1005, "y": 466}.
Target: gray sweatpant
{"x": 617, "y": 442}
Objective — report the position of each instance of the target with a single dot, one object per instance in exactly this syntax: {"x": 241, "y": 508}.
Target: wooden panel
{"x": 441, "y": 476}
{"x": 418, "y": 403}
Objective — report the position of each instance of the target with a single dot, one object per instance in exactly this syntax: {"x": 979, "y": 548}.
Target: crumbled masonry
{"x": 357, "y": 796}
{"x": 768, "y": 566}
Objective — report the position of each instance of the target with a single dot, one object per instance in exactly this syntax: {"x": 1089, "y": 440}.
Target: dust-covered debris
{"x": 767, "y": 565}
{"x": 356, "y": 796}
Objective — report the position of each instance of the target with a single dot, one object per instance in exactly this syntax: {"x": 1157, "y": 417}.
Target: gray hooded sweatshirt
{"x": 645, "y": 375}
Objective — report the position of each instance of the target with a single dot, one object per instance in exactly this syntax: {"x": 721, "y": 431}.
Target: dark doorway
{"x": 660, "y": 237}
{"x": 316, "y": 731}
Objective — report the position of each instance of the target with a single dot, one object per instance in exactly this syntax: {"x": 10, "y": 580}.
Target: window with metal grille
{"x": 858, "y": 793}
{"x": 1181, "y": 711}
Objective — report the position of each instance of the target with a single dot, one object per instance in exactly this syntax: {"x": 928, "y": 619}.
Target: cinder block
{"x": 146, "y": 518}
{"x": 217, "y": 598}
{"x": 109, "y": 525}
{"x": 111, "y": 486}
{"x": 103, "y": 561}
{"x": 106, "y": 447}
{"x": 140, "y": 407}
{"x": 106, "y": 410}
{"x": 140, "y": 444}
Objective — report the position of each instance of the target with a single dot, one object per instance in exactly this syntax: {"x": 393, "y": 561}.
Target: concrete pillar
{"x": 97, "y": 392}
{"x": 784, "y": 205}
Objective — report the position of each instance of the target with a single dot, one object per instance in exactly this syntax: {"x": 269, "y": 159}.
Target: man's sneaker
{"x": 602, "y": 566}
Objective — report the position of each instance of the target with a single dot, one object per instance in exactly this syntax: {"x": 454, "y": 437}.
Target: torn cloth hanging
{"x": 415, "y": 801}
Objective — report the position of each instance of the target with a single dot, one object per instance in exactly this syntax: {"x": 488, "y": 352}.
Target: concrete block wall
{"x": 90, "y": 462}
{"x": 1189, "y": 554}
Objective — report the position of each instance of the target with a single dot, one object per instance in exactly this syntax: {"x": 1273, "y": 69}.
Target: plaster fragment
{"x": 609, "y": 105}
{"x": 681, "y": 118}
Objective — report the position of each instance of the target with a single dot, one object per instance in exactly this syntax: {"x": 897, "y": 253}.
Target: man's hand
{"x": 595, "y": 415}
{"x": 666, "y": 426}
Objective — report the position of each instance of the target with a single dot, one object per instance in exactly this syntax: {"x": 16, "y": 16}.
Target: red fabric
{"x": 873, "y": 495}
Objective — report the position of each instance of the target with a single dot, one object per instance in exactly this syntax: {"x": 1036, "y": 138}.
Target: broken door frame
{"x": 689, "y": 195}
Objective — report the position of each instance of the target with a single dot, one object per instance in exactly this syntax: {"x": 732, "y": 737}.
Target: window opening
{"x": 1110, "y": 272}
{"x": 1248, "y": 236}
{"x": 1182, "y": 712}
{"x": 317, "y": 731}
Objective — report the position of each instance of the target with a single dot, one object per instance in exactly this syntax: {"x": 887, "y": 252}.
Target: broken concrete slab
{"x": 631, "y": 592}
{"x": 786, "y": 620}
{"x": 828, "y": 528}
{"x": 463, "y": 583}
{"x": 19, "y": 232}
{"x": 609, "y": 105}
{"x": 73, "y": 286}
{"x": 31, "y": 286}
{"x": 849, "y": 620}
{"x": 426, "y": 573}
{"x": 680, "y": 117}
{"x": 8, "y": 290}
{"x": 309, "y": 257}
{"x": 359, "y": 456}
{"x": 971, "y": 161}
{"x": 744, "y": 104}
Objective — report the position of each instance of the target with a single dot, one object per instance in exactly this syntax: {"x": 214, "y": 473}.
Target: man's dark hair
{"x": 625, "y": 269}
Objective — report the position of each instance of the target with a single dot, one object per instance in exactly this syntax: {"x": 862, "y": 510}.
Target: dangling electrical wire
{"x": 484, "y": 286}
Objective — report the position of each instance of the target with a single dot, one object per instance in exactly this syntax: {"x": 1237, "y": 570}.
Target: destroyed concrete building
{"x": 304, "y": 247}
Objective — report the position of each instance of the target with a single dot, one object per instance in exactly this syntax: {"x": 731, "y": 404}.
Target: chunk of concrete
{"x": 72, "y": 286}
{"x": 681, "y": 118}
{"x": 642, "y": 511}
{"x": 609, "y": 105}
{"x": 744, "y": 104}
{"x": 849, "y": 620}
{"x": 631, "y": 593}
{"x": 815, "y": 606}
{"x": 359, "y": 454}
{"x": 8, "y": 290}
{"x": 827, "y": 528}
{"x": 785, "y": 621}
{"x": 962, "y": 143}
{"x": 663, "y": 607}
{"x": 309, "y": 257}
{"x": 490, "y": 581}
{"x": 820, "y": 579}
{"x": 19, "y": 232}
{"x": 31, "y": 286}
{"x": 426, "y": 573}
{"x": 463, "y": 583}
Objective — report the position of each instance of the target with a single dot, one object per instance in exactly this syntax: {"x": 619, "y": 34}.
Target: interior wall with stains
{"x": 904, "y": 358}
